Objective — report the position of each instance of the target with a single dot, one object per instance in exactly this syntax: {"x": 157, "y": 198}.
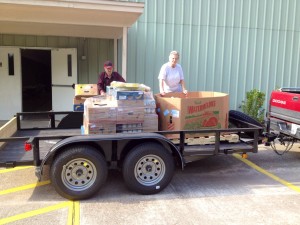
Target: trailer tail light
{"x": 27, "y": 146}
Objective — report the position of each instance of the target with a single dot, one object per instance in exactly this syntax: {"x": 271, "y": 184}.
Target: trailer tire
{"x": 79, "y": 172}
{"x": 148, "y": 168}
{"x": 244, "y": 117}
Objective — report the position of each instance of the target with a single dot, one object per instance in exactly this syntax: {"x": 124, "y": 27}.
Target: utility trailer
{"x": 79, "y": 164}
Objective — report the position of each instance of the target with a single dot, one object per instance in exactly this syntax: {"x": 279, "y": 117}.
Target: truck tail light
{"x": 27, "y": 146}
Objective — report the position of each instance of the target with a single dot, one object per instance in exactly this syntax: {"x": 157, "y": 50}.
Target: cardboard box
{"x": 99, "y": 128}
{"x": 98, "y": 109}
{"x": 197, "y": 110}
{"x": 99, "y": 99}
{"x": 78, "y": 103}
{"x": 78, "y": 100}
{"x": 86, "y": 90}
{"x": 131, "y": 103}
{"x": 128, "y": 115}
{"x": 100, "y": 113}
{"x": 129, "y": 128}
{"x": 150, "y": 123}
{"x": 128, "y": 95}
{"x": 78, "y": 107}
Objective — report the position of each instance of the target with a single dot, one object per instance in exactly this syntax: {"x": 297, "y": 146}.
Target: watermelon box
{"x": 194, "y": 111}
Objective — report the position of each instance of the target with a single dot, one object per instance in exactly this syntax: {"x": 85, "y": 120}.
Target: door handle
{"x": 295, "y": 98}
{"x": 63, "y": 85}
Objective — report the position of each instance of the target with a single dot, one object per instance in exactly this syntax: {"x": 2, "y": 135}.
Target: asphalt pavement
{"x": 263, "y": 189}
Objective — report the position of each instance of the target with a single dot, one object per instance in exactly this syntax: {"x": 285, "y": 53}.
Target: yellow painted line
{"x": 15, "y": 169}
{"x": 74, "y": 214}
{"x": 261, "y": 170}
{"x": 25, "y": 187}
{"x": 35, "y": 212}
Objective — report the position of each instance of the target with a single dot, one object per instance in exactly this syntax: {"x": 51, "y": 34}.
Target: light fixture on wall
{"x": 83, "y": 56}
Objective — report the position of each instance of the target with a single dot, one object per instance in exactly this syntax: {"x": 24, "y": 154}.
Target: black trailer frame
{"x": 79, "y": 163}
{"x": 244, "y": 146}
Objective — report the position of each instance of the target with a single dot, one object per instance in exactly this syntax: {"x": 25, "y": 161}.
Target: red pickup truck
{"x": 284, "y": 111}
{"x": 284, "y": 116}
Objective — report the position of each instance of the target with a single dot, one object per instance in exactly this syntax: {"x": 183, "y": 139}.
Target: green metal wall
{"x": 230, "y": 46}
{"x": 97, "y": 51}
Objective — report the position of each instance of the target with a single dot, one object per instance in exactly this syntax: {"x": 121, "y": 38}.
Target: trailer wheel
{"x": 148, "y": 168}
{"x": 79, "y": 172}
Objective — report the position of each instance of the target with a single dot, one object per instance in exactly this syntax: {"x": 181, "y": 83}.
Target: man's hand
{"x": 185, "y": 91}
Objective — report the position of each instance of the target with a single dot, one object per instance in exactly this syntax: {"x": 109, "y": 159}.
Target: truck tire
{"x": 148, "y": 168}
{"x": 244, "y": 117}
{"x": 79, "y": 172}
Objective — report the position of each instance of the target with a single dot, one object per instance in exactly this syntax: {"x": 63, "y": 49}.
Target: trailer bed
{"x": 13, "y": 154}
{"x": 13, "y": 151}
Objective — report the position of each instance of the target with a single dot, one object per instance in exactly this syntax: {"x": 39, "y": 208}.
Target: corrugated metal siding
{"x": 97, "y": 51}
{"x": 229, "y": 46}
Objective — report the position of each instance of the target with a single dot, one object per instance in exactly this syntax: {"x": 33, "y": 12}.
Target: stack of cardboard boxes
{"x": 82, "y": 92}
{"x": 121, "y": 111}
{"x": 132, "y": 111}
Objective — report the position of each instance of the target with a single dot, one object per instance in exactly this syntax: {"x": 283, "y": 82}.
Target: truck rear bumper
{"x": 284, "y": 127}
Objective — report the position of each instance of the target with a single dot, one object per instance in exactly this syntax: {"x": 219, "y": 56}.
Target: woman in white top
{"x": 171, "y": 76}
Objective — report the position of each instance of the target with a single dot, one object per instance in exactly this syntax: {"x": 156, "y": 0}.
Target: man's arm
{"x": 100, "y": 85}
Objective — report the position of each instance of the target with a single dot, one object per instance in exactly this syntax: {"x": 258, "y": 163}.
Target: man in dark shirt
{"x": 107, "y": 77}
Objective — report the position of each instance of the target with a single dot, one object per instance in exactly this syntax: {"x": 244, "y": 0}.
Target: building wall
{"x": 230, "y": 46}
{"x": 96, "y": 51}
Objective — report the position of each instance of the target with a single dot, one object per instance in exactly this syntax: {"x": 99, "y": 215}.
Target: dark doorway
{"x": 36, "y": 80}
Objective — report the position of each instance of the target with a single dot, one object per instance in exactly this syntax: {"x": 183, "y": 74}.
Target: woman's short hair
{"x": 174, "y": 53}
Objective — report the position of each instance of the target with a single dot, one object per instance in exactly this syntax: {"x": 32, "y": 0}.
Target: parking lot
{"x": 263, "y": 189}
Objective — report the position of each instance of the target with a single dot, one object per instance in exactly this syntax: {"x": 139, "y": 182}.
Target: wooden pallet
{"x": 208, "y": 140}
